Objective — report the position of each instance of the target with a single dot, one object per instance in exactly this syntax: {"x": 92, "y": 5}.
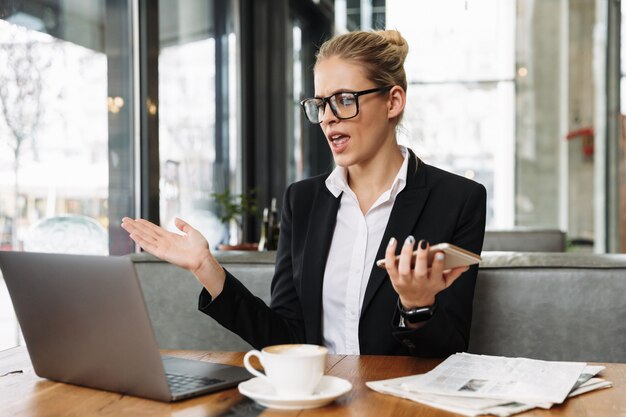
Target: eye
{"x": 314, "y": 104}
{"x": 345, "y": 99}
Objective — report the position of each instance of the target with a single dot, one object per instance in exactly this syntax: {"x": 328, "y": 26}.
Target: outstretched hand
{"x": 189, "y": 250}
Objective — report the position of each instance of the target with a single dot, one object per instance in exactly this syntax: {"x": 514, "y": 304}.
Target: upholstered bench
{"x": 553, "y": 306}
{"x": 171, "y": 294}
{"x": 525, "y": 240}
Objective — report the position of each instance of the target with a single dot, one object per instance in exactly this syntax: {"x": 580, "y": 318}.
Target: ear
{"x": 395, "y": 102}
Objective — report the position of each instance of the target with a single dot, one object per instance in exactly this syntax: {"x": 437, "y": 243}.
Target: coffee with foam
{"x": 293, "y": 370}
{"x": 295, "y": 350}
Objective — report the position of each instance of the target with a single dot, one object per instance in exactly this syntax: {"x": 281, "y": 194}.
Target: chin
{"x": 343, "y": 161}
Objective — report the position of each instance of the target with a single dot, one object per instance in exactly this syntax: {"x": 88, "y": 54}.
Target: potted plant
{"x": 231, "y": 208}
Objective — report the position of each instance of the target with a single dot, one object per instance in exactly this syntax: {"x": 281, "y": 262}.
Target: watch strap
{"x": 417, "y": 314}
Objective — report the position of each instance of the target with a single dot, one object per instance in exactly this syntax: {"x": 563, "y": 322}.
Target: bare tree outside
{"x": 21, "y": 89}
{"x": 54, "y": 137}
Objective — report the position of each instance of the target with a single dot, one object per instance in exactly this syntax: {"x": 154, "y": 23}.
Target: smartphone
{"x": 455, "y": 256}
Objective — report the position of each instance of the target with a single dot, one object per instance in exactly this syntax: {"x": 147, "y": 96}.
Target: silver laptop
{"x": 85, "y": 322}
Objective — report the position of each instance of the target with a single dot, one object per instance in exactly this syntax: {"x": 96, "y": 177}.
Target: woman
{"x": 326, "y": 288}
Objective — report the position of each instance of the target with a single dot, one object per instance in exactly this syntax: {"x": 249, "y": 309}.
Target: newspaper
{"x": 514, "y": 379}
{"x": 446, "y": 387}
{"x": 460, "y": 405}
{"x": 591, "y": 385}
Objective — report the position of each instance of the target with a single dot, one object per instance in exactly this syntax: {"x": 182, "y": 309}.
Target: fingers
{"x": 404, "y": 265}
{"x": 146, "y": 229}
{"x": 182, "y": 225}
{"x": 129, "y": 225}
{"x": 421, "y": 261}
{"x": 148, "y": 246}
{"x": 151, "y": 228}
{"x": 455, "y": 273}
{"x": 437, "y": 270}
{"x": 144, "y": 233}
{"x": 133, "y": 225}
{"x": 390, "y": 258}
{"x": 144, "y": 240}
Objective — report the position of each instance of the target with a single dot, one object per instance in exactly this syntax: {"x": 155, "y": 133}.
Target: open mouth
{"x": 339, "y": 141}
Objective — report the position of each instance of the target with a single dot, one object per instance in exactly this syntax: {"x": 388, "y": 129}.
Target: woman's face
{"x": 353, "y": 141}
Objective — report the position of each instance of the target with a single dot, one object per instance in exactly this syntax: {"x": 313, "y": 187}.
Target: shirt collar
{"x": 337, "y": 181}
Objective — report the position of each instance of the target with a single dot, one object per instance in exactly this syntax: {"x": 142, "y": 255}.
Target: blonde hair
{"x": 381, "y": 52}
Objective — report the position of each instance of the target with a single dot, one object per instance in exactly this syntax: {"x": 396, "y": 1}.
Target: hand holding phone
{"x": 454, "y": 256}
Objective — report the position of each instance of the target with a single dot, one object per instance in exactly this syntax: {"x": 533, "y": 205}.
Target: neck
{"x": 377, "y": 175}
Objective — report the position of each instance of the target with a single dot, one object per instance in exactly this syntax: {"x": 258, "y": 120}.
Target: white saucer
{"x": 329, "y": 388}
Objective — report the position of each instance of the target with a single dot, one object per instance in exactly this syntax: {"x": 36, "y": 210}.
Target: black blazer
{"x": 434, "y": 205}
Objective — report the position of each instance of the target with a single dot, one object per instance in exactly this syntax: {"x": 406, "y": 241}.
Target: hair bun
{"x": 394, "y": 38}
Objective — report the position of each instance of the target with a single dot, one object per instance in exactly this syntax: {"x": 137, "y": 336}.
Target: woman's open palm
{"x": 187, "y": 250}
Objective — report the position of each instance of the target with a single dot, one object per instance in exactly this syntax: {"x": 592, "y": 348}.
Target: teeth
{"x": 340, "y": 141}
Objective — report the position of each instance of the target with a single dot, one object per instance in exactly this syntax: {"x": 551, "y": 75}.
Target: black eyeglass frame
{"x": 326, "y": 100}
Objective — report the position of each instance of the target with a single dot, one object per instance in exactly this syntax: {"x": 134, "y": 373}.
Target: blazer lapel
{"x": 404, "y": 215}
{"x": 319, "y": 236}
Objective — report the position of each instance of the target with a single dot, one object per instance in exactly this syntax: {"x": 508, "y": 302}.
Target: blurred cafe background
{"x": 164, "y": 108}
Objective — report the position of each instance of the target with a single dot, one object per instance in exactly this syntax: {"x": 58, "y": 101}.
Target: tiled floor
{"x": 9, "y": 330}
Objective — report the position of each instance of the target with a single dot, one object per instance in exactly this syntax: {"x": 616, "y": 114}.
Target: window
{"x": 295, "y": 149}
{"x": 66, "y": 123}
{"x": 198, "y": 136}
{"x": 461, "y": 93}
{"x": 353, "y": 15}
{"x": 54, "y": 126}
{"x": 520, "y": 95}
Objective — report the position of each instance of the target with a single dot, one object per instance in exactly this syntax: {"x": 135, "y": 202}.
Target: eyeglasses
{"x": 344, "y": 105}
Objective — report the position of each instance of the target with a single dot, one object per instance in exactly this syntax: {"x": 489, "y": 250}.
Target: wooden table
{"x": 25, "y": 394}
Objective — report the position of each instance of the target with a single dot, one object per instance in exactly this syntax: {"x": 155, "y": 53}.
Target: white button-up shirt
{"x": 355, "y": 243}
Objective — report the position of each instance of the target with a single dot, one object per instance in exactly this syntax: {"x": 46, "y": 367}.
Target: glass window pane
{"x": 456, "y": 40}
{"x": 53, "y": 125}
{"x": 460, "y": 112}
{"x": 471, "y": 135}
{"x": 294, "y": 119}
{"x": 65, "y": 112}
{"x": 198, "y": 150}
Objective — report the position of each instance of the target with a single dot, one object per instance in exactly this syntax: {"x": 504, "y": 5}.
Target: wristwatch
{"x": 418, "y": 314}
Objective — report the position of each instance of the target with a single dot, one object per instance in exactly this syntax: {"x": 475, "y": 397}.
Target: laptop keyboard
{"x": 180, "y": 383}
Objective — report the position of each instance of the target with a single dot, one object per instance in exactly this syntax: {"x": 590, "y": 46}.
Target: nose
{"x": 328, "y": 115}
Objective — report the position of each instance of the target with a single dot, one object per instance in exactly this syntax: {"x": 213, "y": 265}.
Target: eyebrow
{"x": 341, "y": 90}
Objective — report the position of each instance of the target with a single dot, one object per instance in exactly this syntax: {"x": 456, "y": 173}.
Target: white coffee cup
{"x": 293, "y": 370}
